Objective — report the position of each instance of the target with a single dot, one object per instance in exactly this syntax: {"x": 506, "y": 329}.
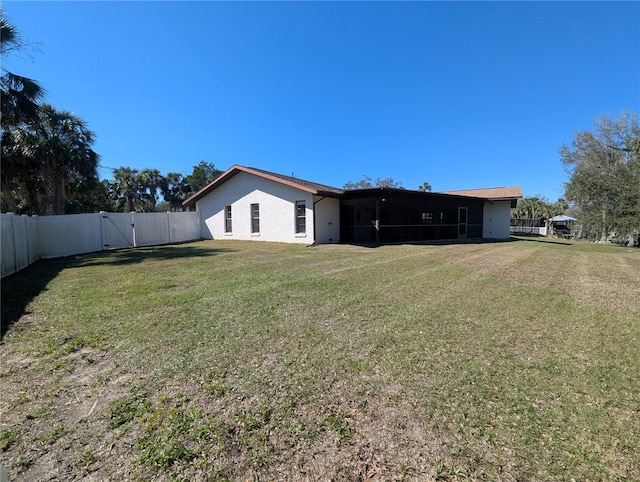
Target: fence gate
{"x": 117, "y": 230}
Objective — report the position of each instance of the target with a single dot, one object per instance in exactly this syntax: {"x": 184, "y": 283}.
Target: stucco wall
{"x": 277, "y": 211}
{"x": 496, "y": 220}
{"x": 327, "y": 211}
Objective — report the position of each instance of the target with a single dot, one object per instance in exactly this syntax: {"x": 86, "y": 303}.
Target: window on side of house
{"x": 255, "y": 218}
{"x": 227, "y": 219}
{"x": 301, "y": 217}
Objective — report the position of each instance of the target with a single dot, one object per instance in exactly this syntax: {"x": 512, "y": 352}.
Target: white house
{"x": 253, "y": 204}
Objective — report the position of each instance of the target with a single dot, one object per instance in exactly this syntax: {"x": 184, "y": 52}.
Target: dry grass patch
{"x": 594, "y": 275}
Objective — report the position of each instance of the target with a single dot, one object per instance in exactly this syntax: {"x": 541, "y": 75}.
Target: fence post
{"x": 102, "y": 216}
{"x": 38, "y": 249}
{"x": 169, "y": 226}
{"x": 25, "y": 219}
{"x": 15, "y": 251}
{"x": 133, "y": 229}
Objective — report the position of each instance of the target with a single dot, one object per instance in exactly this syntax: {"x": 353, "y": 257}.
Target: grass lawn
{"x": 257, "y": 361}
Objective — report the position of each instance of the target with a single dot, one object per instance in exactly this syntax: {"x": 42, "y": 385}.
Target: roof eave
{"x": 232, "y": 171}
{"x": 187, "y": 203}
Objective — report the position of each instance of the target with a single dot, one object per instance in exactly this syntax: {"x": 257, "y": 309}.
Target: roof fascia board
{"x": 232, "y": 171}
{"x": 355, "y": 193}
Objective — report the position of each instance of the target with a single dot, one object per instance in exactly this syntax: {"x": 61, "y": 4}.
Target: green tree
{"x": 89, "y": 195}
{"x": 559, "y": 207}
{"x": 604, "y": 170}
{"x": 425, "y": 187}
{"x": 203, "y": 174}
{"x": 175, "y": 189}
{"x": 20, "y": 181}
{"x": 367, "y": 183}
{"x": 538, "y": 207}
{"x": 151, "y": 180}
{"x": 20, "y": 96}
{"x": 44, "y": 156}
{"x": 126, "y": 189}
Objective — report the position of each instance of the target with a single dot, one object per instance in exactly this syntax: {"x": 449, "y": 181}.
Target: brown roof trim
{"x": 307, "y": 186}
{"x": 490, "y": 193}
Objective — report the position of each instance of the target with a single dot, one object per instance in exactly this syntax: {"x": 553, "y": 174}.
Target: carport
{"x": 561, "y": 225}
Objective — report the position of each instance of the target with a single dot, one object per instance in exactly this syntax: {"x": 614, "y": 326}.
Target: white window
{"x": 301, "y": 217}
{"x": 227, "y": 219}
{"x": 255, "y": 218}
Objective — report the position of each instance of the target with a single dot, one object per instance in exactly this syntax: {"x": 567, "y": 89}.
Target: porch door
{"x": 462, "y": 223}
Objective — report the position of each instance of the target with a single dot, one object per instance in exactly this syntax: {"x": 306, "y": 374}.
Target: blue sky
{"x": 459, "y": 94}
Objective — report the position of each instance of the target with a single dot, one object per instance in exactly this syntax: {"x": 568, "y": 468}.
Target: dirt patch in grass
{"x": 56, "y": 411}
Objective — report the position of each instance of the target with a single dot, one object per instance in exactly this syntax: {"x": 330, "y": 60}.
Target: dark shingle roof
{"x": 320, "y": 188}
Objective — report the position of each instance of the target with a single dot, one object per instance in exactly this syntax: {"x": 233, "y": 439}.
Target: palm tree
{"x": 61, "y": 147}
{"x": 45, "y": 155}
{"x": 126, "y": 186}
{"x": 19, "y": 95}
{"x": 19, "y": 178}
{"x": 152, "y": 180}
{"x": 175, "y": 189}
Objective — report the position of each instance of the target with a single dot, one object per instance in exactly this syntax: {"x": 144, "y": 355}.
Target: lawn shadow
{"x": 138, "y": 255}
{"x": 19, "y": 289}
{"x": 540, "y": 239}
{"x": 428, "y": 242}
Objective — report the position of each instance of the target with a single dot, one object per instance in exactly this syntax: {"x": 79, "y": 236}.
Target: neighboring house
{"x": 253, "y": 204}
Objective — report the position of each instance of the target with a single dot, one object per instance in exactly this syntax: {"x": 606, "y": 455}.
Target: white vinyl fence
{"x": 26, "y": 239}
{"x": 540, "y": 230}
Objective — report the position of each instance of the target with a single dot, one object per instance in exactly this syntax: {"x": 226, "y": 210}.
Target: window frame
{"x": 300, "y": 221}
{"x": 228, "y": 219}
{"x": 255, "y": 218}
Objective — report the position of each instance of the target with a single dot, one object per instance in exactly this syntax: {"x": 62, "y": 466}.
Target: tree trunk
{"x": 603, "y": 234}
{"x": 49, "y": 194}
{"x": 61, "y": 198}
{"x": 55, "y": 199}
{"x": 9, "y": 198}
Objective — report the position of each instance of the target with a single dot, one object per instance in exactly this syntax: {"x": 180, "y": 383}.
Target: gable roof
{"x": 307, "y": 186}
{"x": 490, "y": 193}
{"x": 315, "y": 187}
{"x": 512, "y": 193}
